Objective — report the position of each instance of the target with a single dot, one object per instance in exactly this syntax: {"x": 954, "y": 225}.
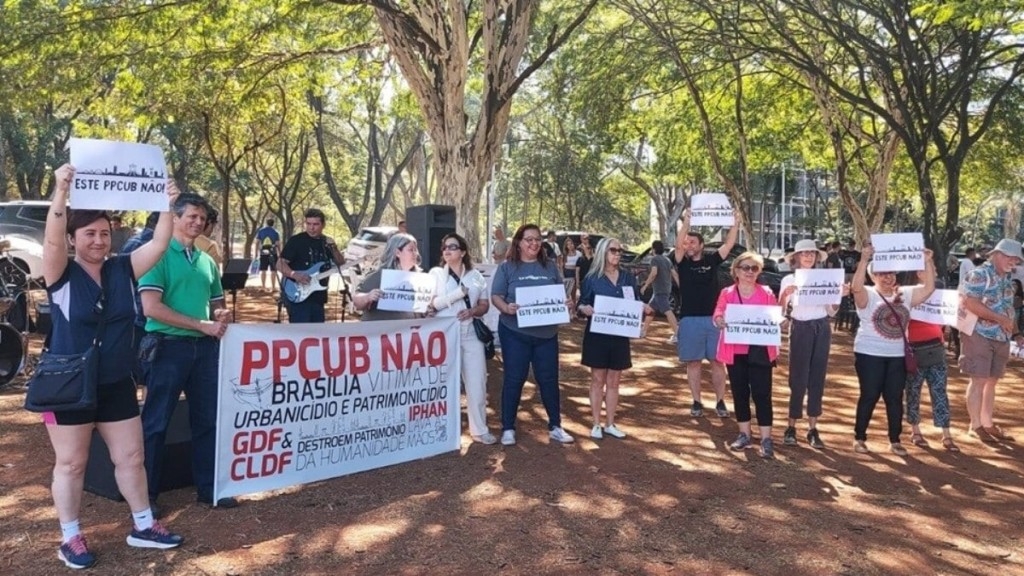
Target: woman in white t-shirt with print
{"x": 884, "y": 312}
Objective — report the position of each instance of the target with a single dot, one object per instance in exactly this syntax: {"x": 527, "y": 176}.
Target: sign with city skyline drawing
{"x": 405, "y": 291}
{"x": 818, "y": 286}
{"x": 711, "y": 210}
{"x": 753, "y": 324}
{"x": 541, "y": 305}
{"x": 617, "y": 316}
{"x": 117, "y": 175}
{"x": 940, "y": 308}
{"x": 897, "y": 252}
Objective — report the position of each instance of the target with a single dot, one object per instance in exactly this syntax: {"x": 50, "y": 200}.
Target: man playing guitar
{"x": 302, "y": 252}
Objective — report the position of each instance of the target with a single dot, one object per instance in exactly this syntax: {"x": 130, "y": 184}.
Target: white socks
{"x": 143, "y": 520}
{"x": 69, "y": 530}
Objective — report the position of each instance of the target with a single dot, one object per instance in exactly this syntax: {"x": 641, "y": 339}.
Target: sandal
{"x": 949, "y": 445}
{"x": 918, "y": 440}
{"x": 984, "y": 436}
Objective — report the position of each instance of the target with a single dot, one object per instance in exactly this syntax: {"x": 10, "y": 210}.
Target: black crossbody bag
{"x": 482, "y": 330}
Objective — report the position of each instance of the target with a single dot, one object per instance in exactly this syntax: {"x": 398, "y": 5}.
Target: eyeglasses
{"x": 531, "y": 239}
{"x": 452, "y": 247}
{"x": 749, "y": 267}
{"x": 614, "y": 250}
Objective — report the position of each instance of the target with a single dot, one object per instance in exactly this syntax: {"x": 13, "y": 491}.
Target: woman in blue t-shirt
{"x": 522, "y": 347}
{"x": 77, "y": 304}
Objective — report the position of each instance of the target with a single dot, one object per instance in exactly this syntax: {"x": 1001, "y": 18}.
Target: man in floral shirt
{"x": 987, "y": 292}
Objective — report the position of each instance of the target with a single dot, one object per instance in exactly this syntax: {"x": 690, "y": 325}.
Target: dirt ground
{"x": 670, "y": 499}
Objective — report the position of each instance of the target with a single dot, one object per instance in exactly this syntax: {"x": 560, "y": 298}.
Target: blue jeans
{"x": 189, "y": 365}
{"x": 518, "y": 353}
{"x": 308, "y": 311}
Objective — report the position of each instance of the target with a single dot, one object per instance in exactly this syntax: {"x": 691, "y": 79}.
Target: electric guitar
{"x": 296, "y": 292}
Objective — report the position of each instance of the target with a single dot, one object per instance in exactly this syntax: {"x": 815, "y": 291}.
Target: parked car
{"x": 369, "y": 243}
{"x": 21, "y": 259}
{"x": 22, "y": 230}
{"x": 25, "y": 218}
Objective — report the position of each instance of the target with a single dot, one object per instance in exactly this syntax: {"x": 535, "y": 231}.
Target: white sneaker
{"x": 611, "y": 430}
{"x": 596, "y": 432}
{"x": 508, "y": 437}
{"x": 559, "y": 435}
{"x": 485, "y": 438}
{"x": 673, "y": 339}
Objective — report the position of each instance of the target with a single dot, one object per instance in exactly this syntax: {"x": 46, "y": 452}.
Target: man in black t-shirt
{"x": 698, "y": 288}
{"x": 300, "y": 253}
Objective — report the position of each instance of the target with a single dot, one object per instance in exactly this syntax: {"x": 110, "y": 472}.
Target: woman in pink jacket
{"x": 749, "y": 367}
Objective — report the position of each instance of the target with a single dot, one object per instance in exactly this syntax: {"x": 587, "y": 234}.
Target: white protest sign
{"x": 117, "y": 175}
{"x": 295, "y": 408}
{"x": 753, "y": 324}
{"x": 711, "y": 210}
{"x": 405, "y": 291}
{"x": 818, "y": 286}
{"x": 965, "y": 321}
{"x": 541, "y": 305}
{"x": 617, "y": 316}
{"x": 940, "y": 308}
{"x": 897, "y": 252}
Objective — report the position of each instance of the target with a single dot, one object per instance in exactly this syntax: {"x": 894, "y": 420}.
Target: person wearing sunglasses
{"x": 750, "y": 367}
{"x": 606, "y": 355}
{"x": 698, "y": 291}
{"x": 810, "y": 338}
{"x": 528, "y": 265}
{"x": 880, "y": 344}
{"x": 459, "y": 293}
{"x": 400, "y": 253}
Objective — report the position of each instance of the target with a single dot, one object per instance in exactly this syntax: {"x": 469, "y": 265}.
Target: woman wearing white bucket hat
{"x": 810, "y": 337}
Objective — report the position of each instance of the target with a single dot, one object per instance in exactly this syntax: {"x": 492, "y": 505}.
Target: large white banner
{"x": 300, "y": 403}
{"x": 897, "y": 252}
{"x": 753, "y": 324}
{"x": 117, "y": 175}
{"x": 818, "y": 286}
{"x": 617, "y": 316}
{"x": 939, "y": 308}
{"x": 711, "y": 210}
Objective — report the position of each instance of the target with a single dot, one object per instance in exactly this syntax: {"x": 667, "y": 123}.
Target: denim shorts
{"x": 698, "y": 339}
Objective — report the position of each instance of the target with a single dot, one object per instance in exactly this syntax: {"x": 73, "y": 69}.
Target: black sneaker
{"x": 789, "y": 436}
{"x": 697, "y": 410}
{"x": 814, "y": 439}
{"x": 226, "y": 503}
{"x": 767, "y": 449}
{"x": 722, "y": 411}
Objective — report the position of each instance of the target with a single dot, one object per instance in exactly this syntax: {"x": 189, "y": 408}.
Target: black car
{"x": 770, "y": 276}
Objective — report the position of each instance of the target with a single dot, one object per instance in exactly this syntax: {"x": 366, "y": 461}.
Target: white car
{"x": 369, "y": 243}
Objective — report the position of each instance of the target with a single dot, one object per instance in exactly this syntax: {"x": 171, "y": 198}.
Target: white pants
{"x": 474, "y": 379}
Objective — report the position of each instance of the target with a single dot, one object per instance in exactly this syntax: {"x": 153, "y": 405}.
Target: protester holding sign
{"x": 810, "y": 337}
{"x": 880, "y": 346}
{"x": 83, "y": 291}
{"x": 929, "y": 347}
{"x": 400, "y": 253}
{"x": 537, "y": 346}
{"x": 987, "y": 291}
{"x": 459, "y": 293}
{"x": 750, "y": 367}
{"x": 606, "y": 355}
{"x": 698, "y": 290}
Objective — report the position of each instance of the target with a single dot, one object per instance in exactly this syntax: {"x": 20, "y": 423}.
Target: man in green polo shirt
{"x": 178, "y": 296}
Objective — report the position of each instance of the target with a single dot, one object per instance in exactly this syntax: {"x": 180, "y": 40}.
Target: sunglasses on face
{"x": 749, "y": 267}
{"x": 452, "y": 247}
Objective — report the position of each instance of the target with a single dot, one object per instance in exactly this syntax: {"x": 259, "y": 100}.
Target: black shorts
{"x": 114, "y": 402}
{"x": 267, "y": 261}
{"x": 604, "y": 351}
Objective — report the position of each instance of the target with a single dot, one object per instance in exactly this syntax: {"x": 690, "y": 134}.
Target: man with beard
{"x": 181, "y": 349}
{"x": 698, "y": 288}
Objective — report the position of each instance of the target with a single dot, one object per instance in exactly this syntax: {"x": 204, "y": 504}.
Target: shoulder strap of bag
{"x": 101, "y": 305}
{"x": 465, "y": 297}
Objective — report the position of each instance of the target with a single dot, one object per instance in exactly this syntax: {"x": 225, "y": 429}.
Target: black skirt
{"x": 604, "y": 351}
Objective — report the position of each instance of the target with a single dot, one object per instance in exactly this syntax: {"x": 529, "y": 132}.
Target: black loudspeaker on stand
{"x": 236, "y": 274}
{"x": 429, "y": 224}
{"x": 176, "y": 471}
